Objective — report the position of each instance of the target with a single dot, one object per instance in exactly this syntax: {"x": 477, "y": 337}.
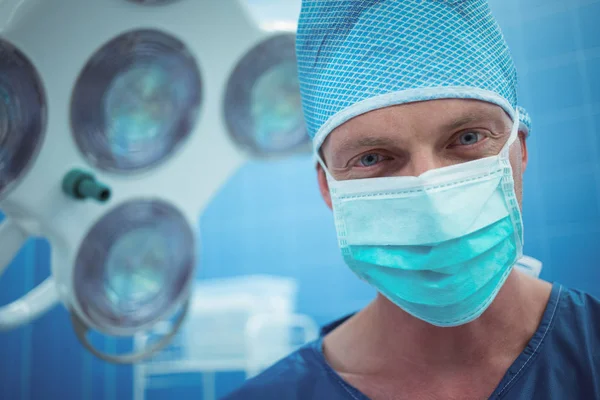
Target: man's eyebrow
{"x": 374, "y": 141}
{"x": 459, "y": 122}
{"x": 468, "y": 119}
{"x": 368, "y": 141}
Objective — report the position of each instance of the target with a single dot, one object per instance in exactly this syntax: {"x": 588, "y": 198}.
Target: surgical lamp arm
{"x": 39, "y": 300}
{"x": 12, "y": 238}
{"x": 24, "y": 310}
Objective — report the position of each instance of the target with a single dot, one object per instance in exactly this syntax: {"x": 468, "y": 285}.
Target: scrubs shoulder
{"x": 561, "y": 361}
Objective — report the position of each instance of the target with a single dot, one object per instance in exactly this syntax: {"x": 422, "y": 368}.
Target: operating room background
{"x": 269, "y": 218}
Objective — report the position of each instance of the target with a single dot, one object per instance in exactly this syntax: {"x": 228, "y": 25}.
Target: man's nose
{"x": 421, "y": 162}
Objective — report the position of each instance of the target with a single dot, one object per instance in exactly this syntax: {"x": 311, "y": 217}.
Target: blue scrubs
{"x": 561, "y": 361}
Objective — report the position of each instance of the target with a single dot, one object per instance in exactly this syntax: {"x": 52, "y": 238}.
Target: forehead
{"x": 421, "y": 119}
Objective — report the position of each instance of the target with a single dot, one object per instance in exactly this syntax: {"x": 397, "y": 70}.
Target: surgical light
{"x": 149, "y": 115}
{"x": 263, "y": 108}
{"x": 136, "y": 101}
{"x": 133, "y": 265}
{"x": 22, "y": 115}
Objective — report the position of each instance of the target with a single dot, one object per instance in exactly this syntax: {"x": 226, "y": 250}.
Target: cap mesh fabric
{"x": 524, "y": 118}
{"x": 355, "y": 51}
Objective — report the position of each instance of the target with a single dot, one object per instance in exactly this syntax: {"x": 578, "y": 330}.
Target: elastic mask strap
{"x": 318, "y": 159}
{"x": 514, "y": 134}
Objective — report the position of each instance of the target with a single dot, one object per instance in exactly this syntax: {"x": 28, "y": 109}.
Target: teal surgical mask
{"x": 441, "y": 245}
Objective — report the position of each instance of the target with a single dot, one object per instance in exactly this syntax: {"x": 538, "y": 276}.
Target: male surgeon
{"x": 412, "y": 107}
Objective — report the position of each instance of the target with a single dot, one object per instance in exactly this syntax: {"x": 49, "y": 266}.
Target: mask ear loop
{"x": 509, "y": 185}
{"x": 318, "y": 160}
{"x": 514, "y": 134}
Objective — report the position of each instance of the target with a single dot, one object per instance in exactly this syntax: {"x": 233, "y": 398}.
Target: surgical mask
{"x": 441, "y": 245}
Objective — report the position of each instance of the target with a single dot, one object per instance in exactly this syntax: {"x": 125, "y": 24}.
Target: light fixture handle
{"x": 81, "y": 331}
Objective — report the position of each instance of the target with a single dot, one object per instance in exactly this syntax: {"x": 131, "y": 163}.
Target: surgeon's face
{"x": 410, "y": 139}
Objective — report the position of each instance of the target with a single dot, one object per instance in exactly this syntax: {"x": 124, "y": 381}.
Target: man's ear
{"x": 524, "y": 155}
{"x": 323, "y": 185}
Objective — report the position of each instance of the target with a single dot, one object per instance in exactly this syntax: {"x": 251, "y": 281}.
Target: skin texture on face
{"x": 411, "y": 139}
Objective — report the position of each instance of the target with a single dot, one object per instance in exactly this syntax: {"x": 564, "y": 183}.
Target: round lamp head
{"x": 134, "y": 265}
{"x": 136, "y": 101}
{"x": 263, "y": 108}
{"x": 23, "y": 113}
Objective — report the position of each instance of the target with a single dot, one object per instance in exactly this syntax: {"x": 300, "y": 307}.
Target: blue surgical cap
{"x": 360, "y": 55}
{"x": 525, "y": 120}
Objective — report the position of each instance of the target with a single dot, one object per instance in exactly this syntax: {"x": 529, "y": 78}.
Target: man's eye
{"x": 368, "y": 160}
{"x": 469, "y": 138}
